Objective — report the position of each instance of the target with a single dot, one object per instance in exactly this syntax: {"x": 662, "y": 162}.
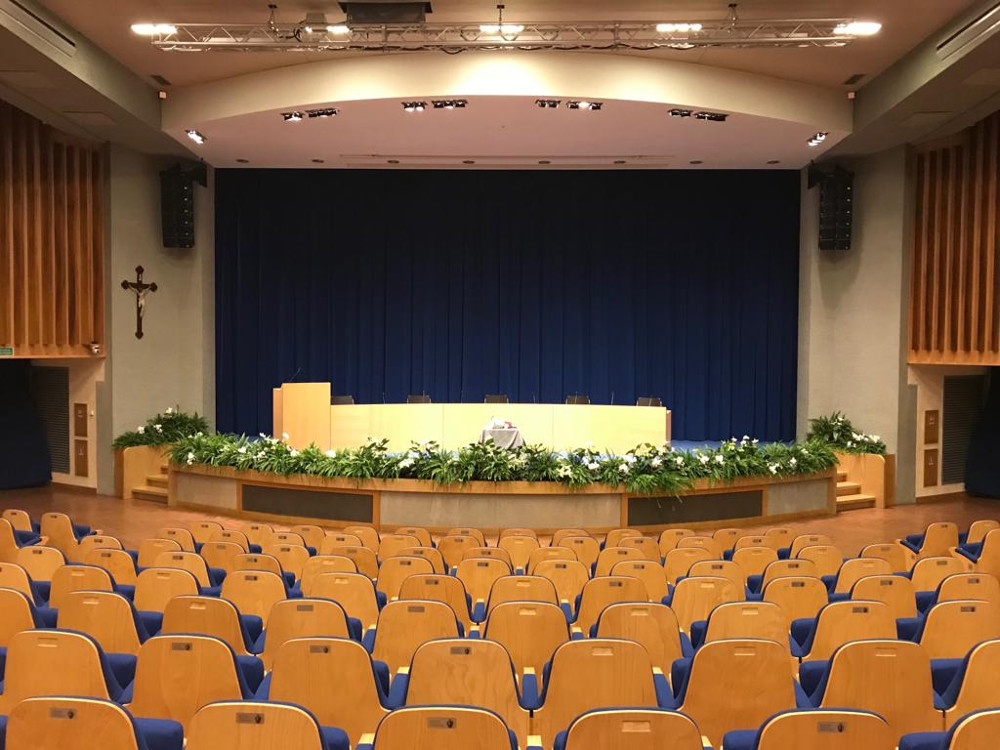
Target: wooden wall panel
{"x": 52, "y": 189}
{"x": 955, "y": 273}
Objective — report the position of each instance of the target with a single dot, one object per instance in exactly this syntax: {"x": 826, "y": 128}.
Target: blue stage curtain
{"x": 24, "y": 452}
{"x": 616, "y": 284}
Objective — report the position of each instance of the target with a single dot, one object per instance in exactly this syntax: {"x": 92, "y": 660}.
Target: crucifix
{"x": 140, "y": 289}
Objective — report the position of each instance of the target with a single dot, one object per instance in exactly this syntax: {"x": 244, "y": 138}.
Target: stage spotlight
{"x": 153, "y": 29}
{"x": 583, "y": 104}
{"x": 325, "y": 112}
{"x": 817, "y": 139}
{"x": 547, "y": 103}
{"x": 292, "y": 116}
{"x": 677, "y": 28}
{"x": 675, "y": 112}
{"x": 414, "y": 106}
{"x": 504, "y": 29}
{"x": 338, "y": 29}
{"x": 710, "y": 116}
{"x": 857, "y": 28}
{"x": 449, "y": 103}
{"x": 195, "y": 136}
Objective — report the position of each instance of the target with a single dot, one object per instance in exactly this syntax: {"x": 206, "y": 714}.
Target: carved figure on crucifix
{"x": 140, "y": 289}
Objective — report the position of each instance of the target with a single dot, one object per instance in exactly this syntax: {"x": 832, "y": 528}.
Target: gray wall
{"x": 852, "y": 312}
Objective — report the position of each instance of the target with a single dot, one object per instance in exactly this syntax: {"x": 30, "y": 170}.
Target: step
{"x": 154, "y": 494}
{"x": 164, "y": 468}
{"x": 841, "y": 476}
{"x": 156, "y": 480}
{"x": 855, "y": 502}
{"x": 848, "y": 488}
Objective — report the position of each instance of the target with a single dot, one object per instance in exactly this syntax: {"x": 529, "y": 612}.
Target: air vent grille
{"x": 962, "y": 407}
{"x": 50, "y": 389}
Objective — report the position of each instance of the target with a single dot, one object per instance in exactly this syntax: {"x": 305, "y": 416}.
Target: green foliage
{"x": 646, "y": 469}
{"x": 161, "y": 429}
{"x": 837, "y": 431}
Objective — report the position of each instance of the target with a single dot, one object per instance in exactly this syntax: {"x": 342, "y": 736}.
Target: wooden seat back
{"x": 791, "y": 567}
{"x": 258, "y": 533}
{"x": 522, "y": 588}
{"x": 476, "y": 534}
{"x": 257, "y": 561}
{"x": 15, "y": 614}
{"x": 586, "y": 548}
{"x": 452, "y": 547}
{"x": 394, "y": 571}
{"x": 232, "y": 536}
{"x": 150, "y": 549}
{"x": 403, "y": 626}
{"x": 221, "y": 555}
{"x": 893, "y": 553}
{"x": 13, "y": 576}
{"x": 51, "y": 662}
{"x": 208, "y": 615}
{"x": 809, "y": 540}
{"x": 368, "y": 535}
{"x": 442, "y": 728}
{"x": 94, "y": 541}
{"x": 530, "y": 631}
{"x": 798, "y": 596}
{"x": 203, "y": 531}
{"x": 980, "y": 688}
{"x": 695, "y": 598}
{"x": 753, "y": 561}
{"x": 953, "y": 628}
{"x": 980, "y": 586}
{"x": 719, "y": 569}
{"x": 651, "y": 574}
{"x": 104, "y": 616}
{"x": 333, "y": 540}
{"x": 827, "y": 730}
{"x": 939, "y": 538}
{"x": 678, "y": 561}
{"x": 610, "y": 556}
{"x": 519, "y": 547}
{"x": 479, "y": 574}
{"x": 826, "y": 557}
{"x": 117, "y": 562}
{"x": 652, "y": 625}
{"x": 18, "y": 519}
{"x": 291, "y": 557}
{"x": 599, "y": 593}
{"x": 155, "y": 587}
{"x": 896, "y": 592}
{"x": 670, "y": 538}
{"x": 648, "y": 546}
{"x": 855, "y": 569}
{"x": 568, "y": 576}
{"x": 390, "y": 544}
{"x": 253, "y": 725}
{"x": 254, "y": 592}
{"x": 439, "y": 588}
{"x": 633, "y": 729}
{"x": 707, "y": 543}
{"x": 559, "y": 534}
{"x": 72, "y": 577}
{"x": 58, "y": 528}
{"x": 311, "y": 534}
{"x": 843, "y": 622}
{"x": 302, "y": 618}
{"x": 352, "y": 591}
{"x": 548, "y": 553}
{"x": 929, "y": 572}
{"x": 428, "y": 553}
{"x": 747, "y": 620}
{"x": 614, "y": 537}
{"x": 193, "y": 563}
{"x": 977, "y": 530}
{"x": 183, "y": 537}
{"x": 69, "y": 724}
{"x": 422, "y": 535}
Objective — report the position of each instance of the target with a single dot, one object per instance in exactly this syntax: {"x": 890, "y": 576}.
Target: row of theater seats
{"x": 721, "y": 615}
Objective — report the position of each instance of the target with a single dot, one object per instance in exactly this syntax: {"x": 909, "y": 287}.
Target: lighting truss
{"x": 462, "y": 37}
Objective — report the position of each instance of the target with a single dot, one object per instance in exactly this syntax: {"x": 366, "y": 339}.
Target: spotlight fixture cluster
{"x": 677, "y": 28}
{"x": 701, "y": 115}
{"x": 547, "y": 103}
{"x": 817, "y": 139}
{"x": 292, "y": 116}
{"x": 449, "y": 103}
{"x": 324, "y": 112}
{"x": 592, "y": 106}
{"x": 414, "y": 106}
{"x": 195, "y": 136}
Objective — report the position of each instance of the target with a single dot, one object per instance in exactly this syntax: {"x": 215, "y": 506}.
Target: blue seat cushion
{"x": 740, "y": 739}
{"x": 44, "y": 588}
{"x": 253, "y": 671}
{"x": 26, "y": 538}
{"x": 160, "y": 734}
{"x": 334, "y": 739}
{"x": 123, "y": 666}
{"x": 253, "y": 626}
{"x": 924, "y": 741}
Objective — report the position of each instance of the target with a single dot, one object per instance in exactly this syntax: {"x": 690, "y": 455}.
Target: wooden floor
{"x": 134, "y": 520}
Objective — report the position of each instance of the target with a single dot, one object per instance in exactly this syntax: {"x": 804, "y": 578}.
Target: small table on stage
{"x": 503, "y": 437}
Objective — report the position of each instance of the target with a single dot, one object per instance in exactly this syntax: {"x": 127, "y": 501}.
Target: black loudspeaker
{"x": 177, "y": 203}
{"x": 836, "y": 210}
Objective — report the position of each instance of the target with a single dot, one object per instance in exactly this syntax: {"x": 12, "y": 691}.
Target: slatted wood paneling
{"x": 955, "y": 293}
{"x": 51, "y": 239}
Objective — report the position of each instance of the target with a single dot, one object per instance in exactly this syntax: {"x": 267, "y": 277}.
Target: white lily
{"x": 331, "y": 454}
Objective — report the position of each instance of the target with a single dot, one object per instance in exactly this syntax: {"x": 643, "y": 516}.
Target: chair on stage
{"x": 418, "y": 398}
{"x": 648, "y": 401}
{"x": 577, "y": 399}
{"x": 347, "y": 400}
{"x": 496, "y": 398}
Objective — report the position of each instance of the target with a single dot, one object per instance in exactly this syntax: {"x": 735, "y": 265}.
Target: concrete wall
{"x": 852, "y": 312}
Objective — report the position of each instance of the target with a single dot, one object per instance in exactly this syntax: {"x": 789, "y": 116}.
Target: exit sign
{"x": 6, "y": 351}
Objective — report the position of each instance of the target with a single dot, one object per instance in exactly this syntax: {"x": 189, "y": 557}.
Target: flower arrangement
{"x": 646, "y": 469}
{"x": 837, "y": 431}
{"x": 169, "y": 426}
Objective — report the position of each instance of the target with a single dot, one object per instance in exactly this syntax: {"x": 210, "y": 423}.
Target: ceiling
{"x": 905, "y": 24}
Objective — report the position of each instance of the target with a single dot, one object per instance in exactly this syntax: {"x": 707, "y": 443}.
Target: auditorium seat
{"x": 451, "y": 548}
{"x": 61, "y": 532}
{"x": 311, "y": 534}
{"x": 182, "y": 536}
{"x": 85, "y": 723}
{"x": 839, "y": 623}
{"x": 893, "y": 553}
{"x": 203, "y": 531}
{"x": 431, "y": 554}
{"x": 13, "y": 576}
{"x": 650, "y": 573}
{"x": 742, "y": 620}
{"x": 235, "y": 537}
{"x": 257, "y": 533}
{"x": 779, "y": 538}
{"x": 798, "y": 596}
{"x": 365, "y": 560}
{"x": 980, "y": 586}
{"x": 648, "y": 546}
{"x": 589, "y": 674}
{"x": 41, "y": 562}
{"x": 260, "y": 562}
{"x": 971, "y": 683}
{"x": 817, "y": 729}
{"x": 108, "y": 618}
{"x": 852, "y": 571}
{"x": 150, "y": 549}
{"x": 352, "y": 591}
{"x": 335, "y": 539}
{"x": 222, "y": 555}
{"x": 422, "y": 535}
{"x": 782, "y": 569}
{"x": 929, "y": 572}
{"x": 119, "y": 563}
{"x": 389, "y": 545}
{"x": 530, "y": 631}
{"x": 476, "y": 534}
{"x": 936, "y": 541}
{"x": 951, "y": 629}
{"x": 195, "y": 564}
{"x": 155, "y": 587}
{"x": 750, "y": 540}
{"x": 586, "y": 548}
{"x": 403, "y": 626}
{"x": 548, "y": 553}
{"x": 94, "y": 541}
{"x": 654, "y": 626}
{"x": 727, "y": 537}
{"x": 303, "y": 618}
{"x": 521, "y": 588}
{"x": 440, "y": 588}
{"x": 518, "y": 531}
{"x": 213, "y": 616}
{"x": 826, "y": 557}
{"x": 368, "y": 535}
{"x": 678, "y": 561}
{"x": 704, "y": 542}
{"x": 802, "y": 541}
{"x": 975, "y": 731}
{"x": 694, "y": 598}
{"x": 568, "y": 576}
{"x": 630, "y": 729}
{"x": 519, "y": 547}
{"x": 333, "y": 678}
{"x": 441, "y": 728}
{"x": 670, "y": 538}
{"x": 73, "y": 577}
{"x": 236, "y": 725}
{"x": 754, "y": 560}
{"x": 20, "y": 520}
{"x": 559, "y": 534}
{"x": 10, "y": 543}
{"x": 17, "y": 614}
{"x": 896, "y": 592}
{"x": 720, "y": 569}
{"x": 478, "y": 576}
{"x": 287, "y": 537}
{"x": 613, "y": 538}
{"x": 394, "y": 571}
{"x": 610, "y": 556}
{"x": 254, "y": 592}
{"x": 492, "y": 552}
{"x": 175, "y": 675}
{"x": 598, "y": 593}
{"x": 291, "y": 557}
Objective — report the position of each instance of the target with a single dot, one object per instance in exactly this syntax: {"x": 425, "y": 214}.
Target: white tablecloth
{"x": 504, "y": 437}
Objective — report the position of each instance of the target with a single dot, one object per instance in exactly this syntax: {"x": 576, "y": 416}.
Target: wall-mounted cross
{"x": 140, "y": 289}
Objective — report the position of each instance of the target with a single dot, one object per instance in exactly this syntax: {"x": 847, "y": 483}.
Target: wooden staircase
{"x": 849, "y": 495}
{"x": 155, "y": 489}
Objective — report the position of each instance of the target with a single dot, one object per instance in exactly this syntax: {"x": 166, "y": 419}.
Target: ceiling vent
{"x": 34, "y": 29}
{"x": 972, "y": 33}
{"x": 379, "y": 12}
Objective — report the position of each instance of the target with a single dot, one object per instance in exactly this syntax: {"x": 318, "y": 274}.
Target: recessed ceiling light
{"x": 153, "y": 29}
{"x": 547, "y": 103}
{"x": 318, "y": 161}
{"x": 195, "y": 136}
{"x": 857, "y": 28}
{"x": 414, "y": 106}
{"x": 696, "y": 161}
{"x": 292, "y": 116}
{"x": 392, "y": 161}
{"x": 242, "y": 161}
{"x": 544, "y": 161}
{"x": 817, "y": 138}
{"x": 619, "y": 161}
{"x": 774, "y": 161}
{"x": 468, "y": 161}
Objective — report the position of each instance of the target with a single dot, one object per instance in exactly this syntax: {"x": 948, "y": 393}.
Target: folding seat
{"x": 530, "y": 631}
{"x": 799, "y": 597}
{"x": 670, "y": 538}
{"x": 754, "y": 560}
{"x": 364, "y": 559}
{"x": 182, "y": 536}
{"x": 719, "y": 569}
{"x": 893, "y": 553}
{"x": 352, "y": 591}
{"x": 968, "y": 684}
{"x": 243, "y": 725}
{"x": 648, "y": 546}
{"x": 951, "y": 629}
{"x": 467, "y": 672}
{"x": 442, "y": 728}
{"x": 613, "y": 538}
{"x": 521, "y": 589}
{"x": 630, "y": 729}
{"x": 286, "y": 537}
{"x": 209, "y": 615}
{"x": 610, "y": 556}
{"x": 368, "y": 535}
{"x": 896, "y": 592}
{"x": 839, "y": 623}
{"x": 985, "y": 558}
{"x": 303, "y": 618}
{"x": 452, "y": 547}
{"x": 254, "y": 592}
{"x": 568, "y": 576}
{"x": 61, "y": 532}
{"x": 235, "y": 537}
{"x": 94, "y": 541}
{"x": 519, "y": 531}
{"x": 56, "y": 662}
{"x": 193, "y": 563}
{"x": 203, "y": 531}
{"x": 548, "y": 553}
{"x": 928, "y": 573}
{"x": 175, "y": 675}
{"x": 17, "y": 614}
{"x": 108, "y": 618}
{"x": 478, "y": 576}
{"x": 818, "y": 729}
{"x": 694, "y": 598}
{"x": 780, "y": 540}
{"x": 259, "y": 561}
{"x": 727, "y": 538}
{"x": 981, "y": 586}
{"x": 476, "y": 534}
{"x": 520, "y": 548}
{"x": 976, "y": 534}
{"x": 85, "y": 723}
{"x": 258, "y": 533}
{"x": 291, "y": 557}
{"x": 678, "y": 561}
{"x": 422, "y": 535}
{"x": 439, "y": 588}
{"x": 78, "y": 578}
{"x": 586, "y": 548}
{"x": 854, "y": 570}
{"x": 320, "y": 564}
{"x": 559, "y": 534}
{"x": 826, "y": 557}
{"x": 13, "y": 576}
{"x": 403, "y": 626}
{"x": 428, "y": 553}
{"x": 654, "y": 626}
{"x": 394, "y": 571}
{"x": 598, "y": 593}
{"x": 809, "y": 540}
{"x": 782, "y": 569}
{"x": 150, "y": 549}
{"x": 751, "y": 540}
{"x": 337, "y": 539}
{"x": 938, "y": 538}
{"x": 333, "y": 678}
{"x": 20, "y": 520}
{"x": 9, "y": 547}
{"x": 887, "y": 677}
{"x": 734, "y": 684}
{"x": 742, "y": 620}
{"x": 975, "y": 731}
{"x": 40, "y": 563}
{"x": 390, "y": 544}
{"x": 155, "y": 587}
{"x": 497, "y": 553}
{"x": 221, "y": 554}
{"x": 311, "y": 534}
{"x": 650, "y": 573}
{"x": 704, "y": 542}
{"x": 119, "y": 563}
{"x": 589, "y": 674}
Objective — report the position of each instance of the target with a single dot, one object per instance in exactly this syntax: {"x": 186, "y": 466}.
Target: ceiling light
{"x": 681, "y": 45}
{"x": 325, "y": 112}
{"x": 680, "y": 112}
{"x": 503, "y": 29}
{"x": 774, "y": 161}
{"x": 195, "y": 136}
{"x": 153, "y": 29}
{"x": 711, "y": 116}
{"x": 696, "y": 161}
{"x": 468, "y": 161}
{"x": 857, "y": 28}
{"x": 449, "y": 103}
{"x": 817, "y": 139}
{"x": 677, "y": 28}
{"x": 317, "y": 161}
{"x": 414, "y": 106}
{"x": 339, "y": 29}
{"x": 544, "y": 161}
{"x": 593, "y": 106}
{"x": 292, "y": 116}
{"x": 547, "y": 103}
{"x": 242, "y": 161}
